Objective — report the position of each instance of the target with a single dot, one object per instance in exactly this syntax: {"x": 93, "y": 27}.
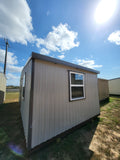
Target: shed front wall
{"x": 53, "y": 113}
{"x": 114, "y": 86}
{"x": 2, "y": 87}
{"x": 24, "y": 102}
{"x": 103, "y": 89}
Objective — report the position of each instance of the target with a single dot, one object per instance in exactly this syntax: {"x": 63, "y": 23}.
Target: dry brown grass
{"x": 97, "y": 140}
{"x": 11, "y": 97}
{"x": 106, "y": 140}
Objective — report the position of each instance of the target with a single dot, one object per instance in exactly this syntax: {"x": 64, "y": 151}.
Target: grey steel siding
{"x": 103, "y": 89}
{"x": 114, "y": 86}
{"x": 53, "y": 113}
{"x": 2, "y": 87}
{"x": 24, "y": 103}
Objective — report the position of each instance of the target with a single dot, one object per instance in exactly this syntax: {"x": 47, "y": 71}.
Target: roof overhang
{"x": 57, "y": 61}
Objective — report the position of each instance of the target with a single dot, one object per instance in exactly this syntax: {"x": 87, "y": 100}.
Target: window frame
{"x": 23, "y": 86}
{"x": 76, "y": 85}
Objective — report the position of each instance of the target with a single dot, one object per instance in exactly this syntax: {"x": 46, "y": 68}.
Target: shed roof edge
{"x": 114, "y": 78}
{"x": 57, "y": 61}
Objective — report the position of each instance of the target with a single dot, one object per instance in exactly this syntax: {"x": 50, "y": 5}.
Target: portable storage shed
{"x": 114, "y": 86}
{"x": 2, "y": 87}
{"x": 103, "y": 89}
{"x": 55, "y": 96}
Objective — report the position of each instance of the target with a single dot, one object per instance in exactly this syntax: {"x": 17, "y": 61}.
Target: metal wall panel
{"x": 114, "y": 86}
{"x": 24, "y": 103}
{"x": 2, "y": 87}
{"x": 103, "y": 89}
{"x": 53, "y": 113}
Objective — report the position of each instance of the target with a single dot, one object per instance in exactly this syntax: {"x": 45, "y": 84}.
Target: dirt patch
{"x": 97, "y": 140}
{"x": 106, "y": 140}
{"x": 105, "y": 143}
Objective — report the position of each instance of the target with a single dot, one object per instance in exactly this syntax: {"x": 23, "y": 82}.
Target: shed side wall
{"x": 24, "y": 103}
{"x": 103, "y": 89}
{"x": 114, "y": 86}
{"x": 52, "y": 111}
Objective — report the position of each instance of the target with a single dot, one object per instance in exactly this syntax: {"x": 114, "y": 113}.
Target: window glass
{"x": 76, "y": 86}
{"x": 76, "y": 78}
{"x": 77, "y": 92}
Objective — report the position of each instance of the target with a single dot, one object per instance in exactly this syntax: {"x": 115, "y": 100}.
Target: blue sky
{"x": 67, "y": 30}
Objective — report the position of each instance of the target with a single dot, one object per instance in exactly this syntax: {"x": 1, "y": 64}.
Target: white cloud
{"x": 44, "y": 51}
{"x": 12, "y": 76}
{"x": 13, "y": 79}
{"x": 11, "y": 61}
{"x": 59, "y": 39}
{"x": 14, "y": 69}
{"x": 11, "y": 58}
{"x": 87, "y": 63}
{"x": 16, "y": 21}
{"x": 115, "y": 37}
{"x": 61, "y": 56}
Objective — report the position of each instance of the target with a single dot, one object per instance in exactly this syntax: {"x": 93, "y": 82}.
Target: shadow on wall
{"x": 1, "y": 97}
{"x": 73, "y": 146}
{"x": 104, "y": 102}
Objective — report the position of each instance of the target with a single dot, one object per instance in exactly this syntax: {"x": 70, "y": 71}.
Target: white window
{"x": 77, "y": 88}
{"x": 23, "y": 86}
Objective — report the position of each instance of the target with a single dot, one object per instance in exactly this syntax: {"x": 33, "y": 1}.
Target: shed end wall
{"x": 53, "y": 113}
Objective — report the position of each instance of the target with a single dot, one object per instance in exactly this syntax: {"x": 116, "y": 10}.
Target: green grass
{"x": 12, "y": 97}
{"x": 99, "y": 139}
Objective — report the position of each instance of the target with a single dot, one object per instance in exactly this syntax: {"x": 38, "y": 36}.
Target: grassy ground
{"x": 99, "y": 139}
{"x": 12, "y": 97}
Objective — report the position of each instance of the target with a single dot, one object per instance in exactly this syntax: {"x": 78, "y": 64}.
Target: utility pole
{"x": 6, "y": 42}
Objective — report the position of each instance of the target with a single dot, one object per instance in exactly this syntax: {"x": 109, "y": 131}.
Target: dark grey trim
{"x": 57, "y": 61}
{"x": 103, "y": 79}
{"x": 69, "y": 84}
{"x": 63, "y": 134}
{"x": 114, "y": 78}
{"x": 105, "y": 99}
{"x": 110, "y": 94}
{"x": 31, "y": 107}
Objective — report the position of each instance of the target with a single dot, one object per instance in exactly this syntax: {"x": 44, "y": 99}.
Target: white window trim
{"x": 76, "y": 85}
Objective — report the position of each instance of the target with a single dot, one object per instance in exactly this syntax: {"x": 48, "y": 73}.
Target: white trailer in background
{"x": 114, "y": 86}
{"x": 103, "y": 89}
{"x": 2, "y": 87}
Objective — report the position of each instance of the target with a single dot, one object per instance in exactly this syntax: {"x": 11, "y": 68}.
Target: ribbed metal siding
{"x": 52, "y": 111}
{"x": 2, "y": 82}
{"x": 103, "y": 89}
{"x": 25, "y": 102}
{"x": 114, "y": 86}
{"x": 2, "y": 87}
